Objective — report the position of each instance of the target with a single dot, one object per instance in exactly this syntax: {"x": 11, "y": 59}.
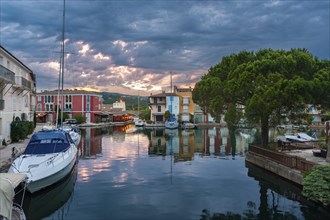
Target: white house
{"x": 17, "y": 92}
{"x": 120, "y": 104}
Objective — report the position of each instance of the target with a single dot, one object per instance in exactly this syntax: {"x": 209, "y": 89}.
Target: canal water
{"x": 130, "y": 173}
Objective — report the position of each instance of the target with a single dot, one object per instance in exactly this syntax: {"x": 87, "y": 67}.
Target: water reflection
{"x": 130, "y": 173}
{"x": 213, "y": 142}
{"x": 273, "y": 189}
{"x": 54, "y": 201}
{"x": 183, "y": 144}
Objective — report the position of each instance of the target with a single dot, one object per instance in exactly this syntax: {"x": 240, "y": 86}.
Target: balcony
{"x": 6, "y": 74}
{"x": 2, "y": 104}
{"x": 22, "y": 82}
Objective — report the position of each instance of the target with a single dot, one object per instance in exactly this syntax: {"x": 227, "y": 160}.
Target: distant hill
{"x": 130, "y": 100}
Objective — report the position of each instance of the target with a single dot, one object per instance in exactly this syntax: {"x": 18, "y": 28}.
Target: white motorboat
{"x": 48, "y": 158}
{"x": 300, "y": 137}
{"x": 139, "y": 123}
{"x": 171, "y": 123}
{"x": 189, "y": 125}
{"x": 8, "y": 183}
{"x": 74, "y": 133}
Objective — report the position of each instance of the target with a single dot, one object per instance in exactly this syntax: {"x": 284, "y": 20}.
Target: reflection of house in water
{"x": 186, "y": 146}
{"x": 157, "y": 143}
{"x": 207, "y": 142}
{"x": 213, "y": 143}
{"x": 91, "y": 143}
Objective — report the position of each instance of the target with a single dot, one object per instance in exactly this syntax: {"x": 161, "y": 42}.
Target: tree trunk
{"x": 264, "y": 132}
{"x": 327, "y": 140}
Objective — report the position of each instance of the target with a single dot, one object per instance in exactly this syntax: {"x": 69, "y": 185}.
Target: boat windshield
{"x": 47, "y": 142}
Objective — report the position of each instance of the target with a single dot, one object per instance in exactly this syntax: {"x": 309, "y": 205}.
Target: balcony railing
{"x": 2, "y": 104}
{"x": 21, "y": 81}
{"x": 7, "y": 74}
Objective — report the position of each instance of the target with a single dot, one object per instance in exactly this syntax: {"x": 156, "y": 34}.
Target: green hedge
{"x": 316, "y": 184}
{"x": 19, "y": 130}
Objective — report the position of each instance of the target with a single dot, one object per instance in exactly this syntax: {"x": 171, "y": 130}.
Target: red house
{"x": 71, "y": 102}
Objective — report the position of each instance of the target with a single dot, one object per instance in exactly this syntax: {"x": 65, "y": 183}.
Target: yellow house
{"x": 189, "y": 111}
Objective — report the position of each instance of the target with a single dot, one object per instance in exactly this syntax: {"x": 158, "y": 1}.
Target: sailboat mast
{"x": 62, "y": 72}
{"x": 138, "y": 104}
{"x": 171, "y": 93}
{"x": 171, "y": 82}
{"x": 60, "y": 75}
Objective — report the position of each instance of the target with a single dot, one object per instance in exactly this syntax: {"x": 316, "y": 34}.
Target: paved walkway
{"x": 6, "y": 151}
{"x": 308, "y": 155}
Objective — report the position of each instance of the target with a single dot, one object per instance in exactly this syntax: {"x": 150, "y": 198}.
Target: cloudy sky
{"x": 129, "y": 45}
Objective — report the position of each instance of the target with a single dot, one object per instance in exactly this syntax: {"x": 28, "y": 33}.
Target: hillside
{"x": 131, "y": 101}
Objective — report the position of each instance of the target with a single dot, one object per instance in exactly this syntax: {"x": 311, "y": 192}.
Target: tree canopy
{"x": 265, "y": 86}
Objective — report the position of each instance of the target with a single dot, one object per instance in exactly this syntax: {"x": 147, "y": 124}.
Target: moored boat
{"x": 171, "y": 123}
{"x": 189, "y": 125}
{"x": 48, "y": 158}
{"x": 139, "y": 123}
{"x": 73, "y": 132}
{"x": 8, "y": 208}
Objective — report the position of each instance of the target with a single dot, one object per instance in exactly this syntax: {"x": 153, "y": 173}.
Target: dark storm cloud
{"x": 136, "y": 43}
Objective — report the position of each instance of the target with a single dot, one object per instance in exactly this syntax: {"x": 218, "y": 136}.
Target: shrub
{"x": 19, "y": 130}
{"x": 80, "y": 118}
{"x": 316, "y": 184}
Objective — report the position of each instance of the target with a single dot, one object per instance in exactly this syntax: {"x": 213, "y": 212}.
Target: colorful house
{"x": 72, "y": 102}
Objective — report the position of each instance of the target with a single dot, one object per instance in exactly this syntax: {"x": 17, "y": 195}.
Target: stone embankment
{"x": 290, "y": 165}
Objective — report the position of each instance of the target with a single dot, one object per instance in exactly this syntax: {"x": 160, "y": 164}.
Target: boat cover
{"x": 46, "y": 142}
{"x": 46, "y": 148}
{"x": 8, "y": 183}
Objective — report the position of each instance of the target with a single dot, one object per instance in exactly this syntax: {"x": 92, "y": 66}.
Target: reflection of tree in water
{"x": 249, "y": 213}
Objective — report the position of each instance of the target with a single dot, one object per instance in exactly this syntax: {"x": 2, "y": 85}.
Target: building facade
{"x": 187, "y": 106}
{"x": 17, "y": 93}
{"x": 157, "y": 105}
{"x": 120, "y": 104}
{"x": 72, "y": 102}
{"x": 179, "y": 103}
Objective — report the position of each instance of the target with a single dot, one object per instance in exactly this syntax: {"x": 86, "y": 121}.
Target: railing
{"x": 293, "y": 162}
{"x": 21, "y": 81}
{"x": 7, "y": 74}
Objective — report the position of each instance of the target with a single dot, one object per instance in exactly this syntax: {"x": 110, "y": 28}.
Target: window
{"x": 160, "y": 99}
{"x": 159, "y": 108}
{"x": 39, "y": 98}
{"x": 39, "y": 107}
{"x": 26, "y": 101}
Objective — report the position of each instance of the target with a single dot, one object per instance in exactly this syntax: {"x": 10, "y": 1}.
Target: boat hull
{"x": 45, "y": 170}
{"x": 38, "y": 185}
{"x": 171, "y": 125}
